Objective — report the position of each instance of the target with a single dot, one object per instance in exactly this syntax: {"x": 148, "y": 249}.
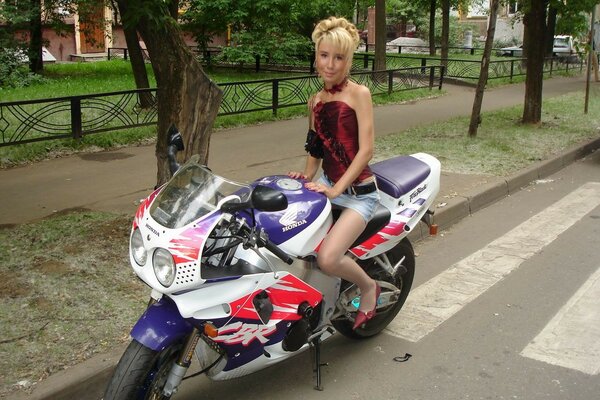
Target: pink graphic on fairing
{"x": 186, "y": 246}
{"x": 143, "y": 207}
{"x": 244, "y": 334}
{"x": 286, "y": 295}
{"x": 390, "y": 231}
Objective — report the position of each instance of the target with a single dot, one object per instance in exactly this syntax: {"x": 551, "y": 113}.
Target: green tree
{"x": 569, "y": 18}
{"x": 186, "y": 96}
{"x": 136, "y": 57}
{"x": 483, "y": 74}
{"x": 536, "y": 35}
{"x": 534, "y": 20}
{"x": 380, "y": 36}
{"x": 30, "y": 16}
{"x": 277, "y": 29}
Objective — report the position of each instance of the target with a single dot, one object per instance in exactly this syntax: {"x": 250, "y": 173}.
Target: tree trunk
{"x": 485, "y": 66}
{"x": 136, "y": 58}
{"x": 445, "y": 30}
{"x": 186, "y": 97}
{"x": 380, "y": 35}
{"x": 550, "y": 28}
{"x": 432, "y": 8}
{"x": 36, "y": 61}
{"x": 174, "y": 9}
{"x": 535, "y": 21}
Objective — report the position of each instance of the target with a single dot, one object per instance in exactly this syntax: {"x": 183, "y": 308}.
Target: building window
{"x": 513, "y": 7}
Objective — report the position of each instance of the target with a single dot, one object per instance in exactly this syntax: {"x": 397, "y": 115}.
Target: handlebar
{"x": 259, "y": 238}
{"x": 273, "y": 248}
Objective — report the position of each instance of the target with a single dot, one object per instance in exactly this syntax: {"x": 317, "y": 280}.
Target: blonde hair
{"x": 340, "y": 33}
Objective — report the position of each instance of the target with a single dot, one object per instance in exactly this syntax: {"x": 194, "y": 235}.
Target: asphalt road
{"x": 531, "y": 331}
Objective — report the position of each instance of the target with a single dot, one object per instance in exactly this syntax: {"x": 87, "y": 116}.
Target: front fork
{"x": 183, "y": 362}
{"x": 181, "y": 365}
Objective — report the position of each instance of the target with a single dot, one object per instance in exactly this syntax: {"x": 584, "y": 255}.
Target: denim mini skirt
{"x": 364, "y": 204}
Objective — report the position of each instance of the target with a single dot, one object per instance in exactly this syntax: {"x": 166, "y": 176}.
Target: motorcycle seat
{"x": 380, "y": 219}
{"x": 399, "y": 175}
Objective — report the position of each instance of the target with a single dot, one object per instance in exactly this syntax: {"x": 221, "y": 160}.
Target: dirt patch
{"x": 67, "y": 294}
{"x": 54, "y": 267}
{"x": 12, "y": 287}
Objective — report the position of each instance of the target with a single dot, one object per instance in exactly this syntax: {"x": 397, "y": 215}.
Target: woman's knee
{"x": 327, "y": 261}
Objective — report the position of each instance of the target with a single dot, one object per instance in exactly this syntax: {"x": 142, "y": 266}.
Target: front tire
{"x": 402, "y": 280}
{"x": 141, "y": 373}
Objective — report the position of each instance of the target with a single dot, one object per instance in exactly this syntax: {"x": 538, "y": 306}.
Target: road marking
{"x": 571, "y": 338}
{"x": 438, "y": 299}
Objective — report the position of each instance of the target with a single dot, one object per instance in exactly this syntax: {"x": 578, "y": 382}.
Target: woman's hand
{"x": 297, "y": 175}
{"x": 320, "y": 188}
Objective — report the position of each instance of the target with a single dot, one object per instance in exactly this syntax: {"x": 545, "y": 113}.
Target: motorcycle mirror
{"x": 174, "y": 138}
{"x": 264, "y": 198}
{"x": 174, "y": 144}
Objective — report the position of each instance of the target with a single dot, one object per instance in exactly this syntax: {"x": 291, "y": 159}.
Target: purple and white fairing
{"x": 300, "y": 228}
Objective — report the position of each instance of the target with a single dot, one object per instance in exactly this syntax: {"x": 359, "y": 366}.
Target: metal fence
{"x": 470, "y": 69}
{"x": 425, "y": 49}
{"x": 76, "y": 116}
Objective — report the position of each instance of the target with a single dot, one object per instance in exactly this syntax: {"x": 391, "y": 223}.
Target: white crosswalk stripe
{"x": 572, "y": 338}
{"x": 438, "y": 299}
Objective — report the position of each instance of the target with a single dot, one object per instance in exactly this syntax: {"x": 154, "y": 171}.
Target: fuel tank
{"x": 299, "y": 228}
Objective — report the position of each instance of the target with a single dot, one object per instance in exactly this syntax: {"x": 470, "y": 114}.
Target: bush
{"x": 13, "y": 71}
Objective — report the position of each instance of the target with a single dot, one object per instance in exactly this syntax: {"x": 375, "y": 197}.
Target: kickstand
{"x": 316, "y": 344}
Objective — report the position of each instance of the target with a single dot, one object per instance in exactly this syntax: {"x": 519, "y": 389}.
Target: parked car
{"x": 564, "y": 47}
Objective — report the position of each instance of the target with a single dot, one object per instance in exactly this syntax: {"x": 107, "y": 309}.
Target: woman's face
{"x": 332, "y": 64}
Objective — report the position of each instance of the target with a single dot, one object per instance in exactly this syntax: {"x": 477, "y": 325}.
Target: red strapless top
{"x": 337, "y": 126}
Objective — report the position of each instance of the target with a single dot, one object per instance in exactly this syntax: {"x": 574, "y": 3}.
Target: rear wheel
{"x": 402, "y": 279}
{"x": 142, "y": 373}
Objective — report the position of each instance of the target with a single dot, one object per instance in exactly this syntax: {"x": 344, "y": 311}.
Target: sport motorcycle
{"x": 233, "y": 271}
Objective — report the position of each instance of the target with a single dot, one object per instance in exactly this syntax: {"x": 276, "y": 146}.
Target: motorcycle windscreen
{"x": 192, "y": 193}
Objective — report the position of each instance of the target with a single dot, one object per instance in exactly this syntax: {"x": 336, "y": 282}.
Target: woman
{"x": 341, "y": 136}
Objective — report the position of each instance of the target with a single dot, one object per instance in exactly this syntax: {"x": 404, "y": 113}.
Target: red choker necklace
{"x": 337, "y": 88}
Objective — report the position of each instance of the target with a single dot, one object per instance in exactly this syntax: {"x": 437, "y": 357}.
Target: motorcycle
{"x": 234, "y": 278}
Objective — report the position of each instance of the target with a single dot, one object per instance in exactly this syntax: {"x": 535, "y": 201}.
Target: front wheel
{"x": 142, "y": 373}
{"x": 402, "y": 279}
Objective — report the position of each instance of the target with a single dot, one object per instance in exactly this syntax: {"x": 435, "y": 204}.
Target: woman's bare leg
{"x": 333, "y": 261}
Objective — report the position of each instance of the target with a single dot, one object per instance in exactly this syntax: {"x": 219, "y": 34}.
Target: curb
{"x": 463, "y": 206}
{"x": 88, "y": 379}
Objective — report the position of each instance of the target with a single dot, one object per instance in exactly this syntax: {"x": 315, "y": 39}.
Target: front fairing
{"x": 179, "y": 217}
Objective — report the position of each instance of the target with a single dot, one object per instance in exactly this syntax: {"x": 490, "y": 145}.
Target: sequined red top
{"x": 337, "y": 125}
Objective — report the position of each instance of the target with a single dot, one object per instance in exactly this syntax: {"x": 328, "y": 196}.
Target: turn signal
{"x": 210, "y": 330}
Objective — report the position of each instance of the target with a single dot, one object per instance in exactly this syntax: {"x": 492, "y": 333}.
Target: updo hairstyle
{"x": 338, "y": 32}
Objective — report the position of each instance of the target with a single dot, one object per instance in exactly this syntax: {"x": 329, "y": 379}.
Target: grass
{"x": 67, "y": 289}
{"x": 503, "y": 144}
{"x": 71, "y": 79}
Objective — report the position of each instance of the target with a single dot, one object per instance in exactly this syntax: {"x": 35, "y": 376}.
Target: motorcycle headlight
{"x": 164, "y": 267}
{"x": 136, "y": 246}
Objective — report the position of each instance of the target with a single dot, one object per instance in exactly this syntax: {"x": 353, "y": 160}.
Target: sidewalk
{"x": 91, "y": 181}
{"x": 116, "y": 180}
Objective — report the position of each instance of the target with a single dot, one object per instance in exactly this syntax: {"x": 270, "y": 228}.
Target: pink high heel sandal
{"x": 363, "y": 317}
